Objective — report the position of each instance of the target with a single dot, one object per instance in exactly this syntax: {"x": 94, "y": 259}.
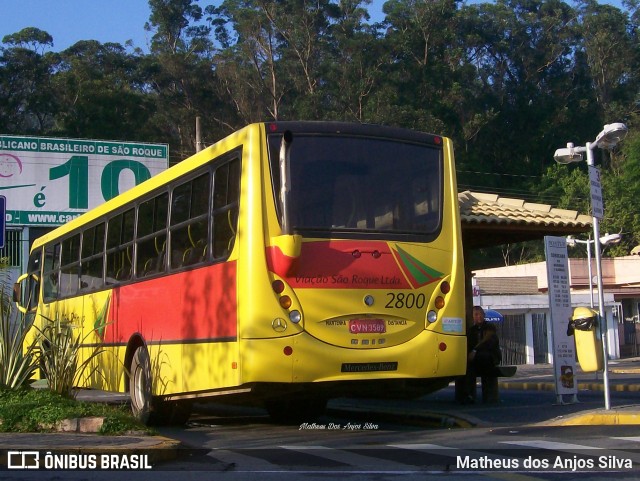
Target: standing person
{"x": 483, "y": 353}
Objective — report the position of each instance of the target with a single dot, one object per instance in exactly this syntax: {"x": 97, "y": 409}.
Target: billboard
{"x": 49, "y": 181}
{"x": 3, "y": 216}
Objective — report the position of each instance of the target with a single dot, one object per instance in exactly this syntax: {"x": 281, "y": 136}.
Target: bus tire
{"x": 140, "y": 383}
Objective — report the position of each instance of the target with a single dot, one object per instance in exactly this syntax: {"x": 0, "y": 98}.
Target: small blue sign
{"x": 493, "y": 316}
{"x": 3, "y": 220}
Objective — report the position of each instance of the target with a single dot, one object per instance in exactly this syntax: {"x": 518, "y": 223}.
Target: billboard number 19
{"x": 77, "y": 168}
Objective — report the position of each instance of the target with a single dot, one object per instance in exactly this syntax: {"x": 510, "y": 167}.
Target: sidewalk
{"x": 624, "y": 376}
{"x": 435, "y": 410}
{"x": 440, "y": 410}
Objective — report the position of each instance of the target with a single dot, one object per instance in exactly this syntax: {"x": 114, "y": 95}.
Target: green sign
{"x": 50, "y": 181}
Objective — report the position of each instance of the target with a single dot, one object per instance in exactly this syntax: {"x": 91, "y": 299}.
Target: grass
{"x": 38, "y": 410}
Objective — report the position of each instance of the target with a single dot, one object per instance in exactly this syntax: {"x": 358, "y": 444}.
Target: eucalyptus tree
{"x": 27, "y": 103}
{"x": 354, "y": 66}
{"x": 180, "y": 75}
{"x": 524, "y": 54}
{"x": 421, "y": 35}
{"x": 611, "y": 48}
{"x": 248, "y": 63}
{"x": 101, "y": 94}
{"x": 271, "y": 63}
{"x": 605, "y": 79}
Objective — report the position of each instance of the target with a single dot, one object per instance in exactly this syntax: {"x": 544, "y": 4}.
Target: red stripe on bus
{"x": 341, "y": 264}
{"x": 196, "y": 304}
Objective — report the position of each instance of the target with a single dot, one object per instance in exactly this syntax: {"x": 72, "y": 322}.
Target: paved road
{"x": 234, "y": 451}
{"x": 415, "y": 439}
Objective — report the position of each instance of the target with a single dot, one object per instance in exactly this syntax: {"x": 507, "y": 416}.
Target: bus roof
{"x": 183, "y": 167}
{"x": 204, "y": 156}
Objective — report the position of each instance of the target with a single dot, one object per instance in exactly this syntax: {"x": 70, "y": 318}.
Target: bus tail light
{"x": 285, "y": 302}
{"x": 439, "y": 303}
{"x": 288, "y": 350}
{"x": 442, "y": 346}
{"x": 277, "y": 286}
{"x": 295, "y": 316}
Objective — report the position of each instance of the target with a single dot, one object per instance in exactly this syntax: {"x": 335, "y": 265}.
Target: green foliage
{"x": 39, "y": 410}
{"x": 60, "y": 357}
{"x": 509, "y": 80}
{"x": 621, "y": 187}
{"x": 17, "y": 363}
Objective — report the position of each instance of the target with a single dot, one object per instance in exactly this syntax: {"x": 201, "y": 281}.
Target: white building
{"x": 520, "y": 292}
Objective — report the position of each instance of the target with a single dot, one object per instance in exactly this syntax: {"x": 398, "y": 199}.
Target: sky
{"x": 69, "y": 21}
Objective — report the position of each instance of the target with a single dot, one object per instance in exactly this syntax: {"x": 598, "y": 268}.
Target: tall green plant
{"x": 60, "y": 357}
{"x": 17, "y": 363}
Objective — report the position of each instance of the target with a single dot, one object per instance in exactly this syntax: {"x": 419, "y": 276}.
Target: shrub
{"x": 17, "y": 363}
{"x": 60, "y": 357}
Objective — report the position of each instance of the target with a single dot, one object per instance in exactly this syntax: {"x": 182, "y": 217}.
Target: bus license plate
{"x": 367, "y": 326}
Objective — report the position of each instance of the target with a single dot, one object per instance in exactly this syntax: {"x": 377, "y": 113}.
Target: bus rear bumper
{"x": 304, "y": 359}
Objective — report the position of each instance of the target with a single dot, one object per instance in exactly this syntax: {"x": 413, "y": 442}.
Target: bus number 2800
{"x": 401, "y": 300}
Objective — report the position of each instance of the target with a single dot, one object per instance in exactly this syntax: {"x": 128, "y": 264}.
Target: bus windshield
{"x": 354, "y": 185}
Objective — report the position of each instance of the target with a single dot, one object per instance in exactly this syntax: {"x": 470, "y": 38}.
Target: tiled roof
{"x": 490, "y": 220}
{"x": 507, "y": 285}
{"x": 483, "y": 208}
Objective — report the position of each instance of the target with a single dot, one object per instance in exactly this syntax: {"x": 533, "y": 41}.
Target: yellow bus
{"x": 288, "y": 263}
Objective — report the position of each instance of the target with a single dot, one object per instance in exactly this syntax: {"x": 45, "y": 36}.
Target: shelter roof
{"x": 489, "y": 220}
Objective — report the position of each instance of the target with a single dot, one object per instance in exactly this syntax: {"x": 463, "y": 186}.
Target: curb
{"x": 630, "y": 370}
{"x": 610, "y": 418}
{"x": 582, "y": 386}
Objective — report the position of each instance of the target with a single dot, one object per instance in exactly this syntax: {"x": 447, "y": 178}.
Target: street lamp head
{"x": 609, "y": 239}
{"x": 567, "y": 155}
{"x": 611, "y": 135}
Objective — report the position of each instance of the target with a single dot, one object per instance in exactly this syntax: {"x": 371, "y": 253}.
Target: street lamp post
{"x": 607, "y": 139}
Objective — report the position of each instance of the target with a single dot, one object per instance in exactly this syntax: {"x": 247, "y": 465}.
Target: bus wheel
{"x": 295, "y": 411}
{"x": 140, "y": 385}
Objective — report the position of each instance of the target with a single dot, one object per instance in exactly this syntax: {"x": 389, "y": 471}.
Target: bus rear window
{"x": 362, "y": 185}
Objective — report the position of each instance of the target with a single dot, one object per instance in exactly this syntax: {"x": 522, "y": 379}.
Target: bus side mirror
{"x": 17, "y": 293}
{"x": 24, "y": 292}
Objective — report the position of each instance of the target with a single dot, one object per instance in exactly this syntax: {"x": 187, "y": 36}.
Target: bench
{"x": 489, "y": 384}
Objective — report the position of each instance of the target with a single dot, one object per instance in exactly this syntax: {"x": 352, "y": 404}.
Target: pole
{"x": 601, "y": 308}
{"x": 198, "y": 135}
{"x": 589, "y": 271}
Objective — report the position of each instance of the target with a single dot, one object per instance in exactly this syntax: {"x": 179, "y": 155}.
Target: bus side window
{"x": 92, "y": 263}
{"x": 151, "y": 238}
{"x": 51, "y": 272}
{"x": 226, "y": 196}
{"x": 120, "y": 247}
{"x": 70, "y": 266}
{"x": 189, "y": 210}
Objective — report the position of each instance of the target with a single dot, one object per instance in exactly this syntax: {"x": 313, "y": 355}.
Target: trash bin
{"x": 588, "y": 341}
